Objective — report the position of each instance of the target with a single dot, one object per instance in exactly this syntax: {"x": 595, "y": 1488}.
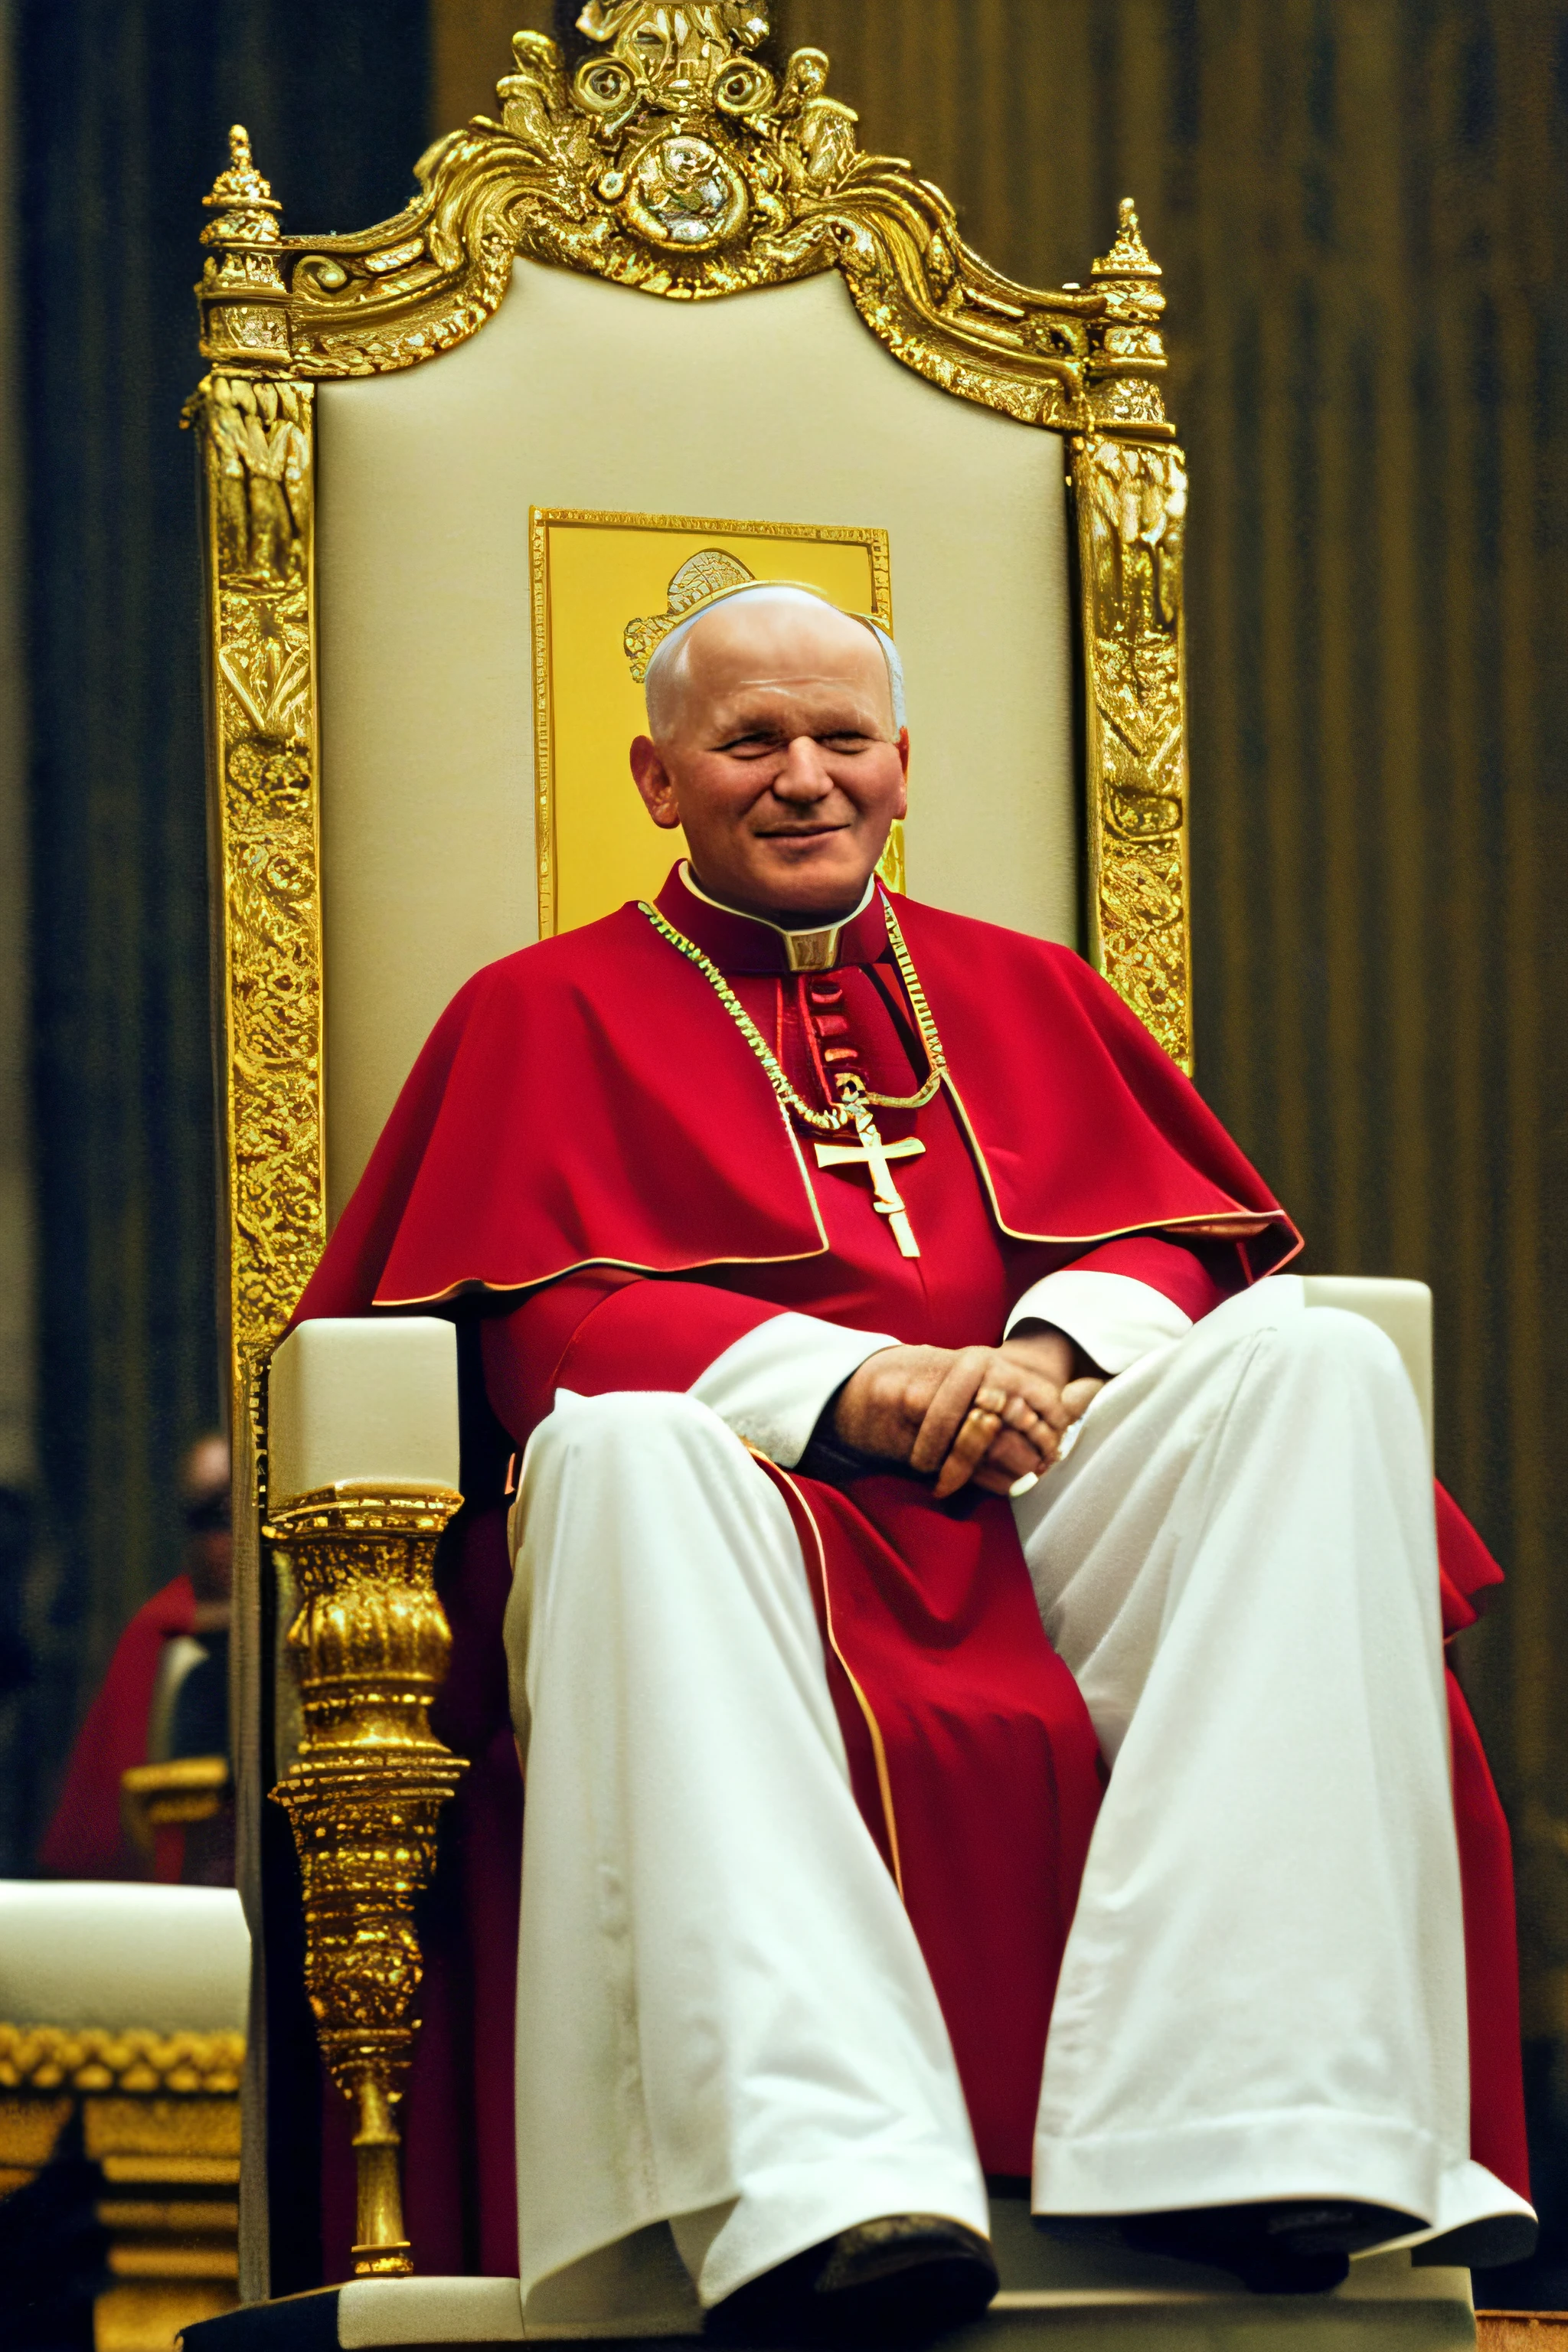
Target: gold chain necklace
{"x": 854, "y": 1107}
{"x": 855, "y": 1089}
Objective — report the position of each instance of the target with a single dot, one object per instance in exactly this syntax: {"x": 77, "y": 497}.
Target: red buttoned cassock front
{"x": 589, "y": 1168}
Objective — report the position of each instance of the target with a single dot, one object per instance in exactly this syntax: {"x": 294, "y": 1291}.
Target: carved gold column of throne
{"x": 371, "y": 1645}
{"x": 674, "y": 163}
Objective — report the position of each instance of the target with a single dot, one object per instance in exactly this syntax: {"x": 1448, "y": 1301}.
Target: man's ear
{"x": 653, "y": 780}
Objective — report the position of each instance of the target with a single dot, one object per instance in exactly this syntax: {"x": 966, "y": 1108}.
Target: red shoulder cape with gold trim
{"x": 570, "y": 1095}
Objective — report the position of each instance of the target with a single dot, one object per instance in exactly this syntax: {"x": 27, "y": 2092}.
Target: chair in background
{"x": 122, "y": 2018}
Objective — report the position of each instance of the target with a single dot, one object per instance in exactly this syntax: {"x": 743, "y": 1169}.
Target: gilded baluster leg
{"x": 371, "y": 1645}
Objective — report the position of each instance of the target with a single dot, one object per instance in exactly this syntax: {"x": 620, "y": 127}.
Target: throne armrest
{"x": 89, "y": 1959}
{"x": 122, "y": 2021}
{"x": 363, "y": 1459}
{"x": 363, "y": 1404}
{"x": 1402, "y": 1309}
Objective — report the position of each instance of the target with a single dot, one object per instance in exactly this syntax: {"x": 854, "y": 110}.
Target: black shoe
{"x": 1301, "y": 2246}
{"x": 894, "y": 2281}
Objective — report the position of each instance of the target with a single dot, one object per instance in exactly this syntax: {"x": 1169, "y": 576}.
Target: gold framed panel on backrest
{"x": 673, "y": 164}
{"x": 602, "y": 590}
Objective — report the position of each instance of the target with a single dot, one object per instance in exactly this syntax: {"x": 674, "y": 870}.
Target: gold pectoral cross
{"x": 872, "y": 1153}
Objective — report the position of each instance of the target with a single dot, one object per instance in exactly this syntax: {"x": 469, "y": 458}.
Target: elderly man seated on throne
{"x": 976, "y": 1643}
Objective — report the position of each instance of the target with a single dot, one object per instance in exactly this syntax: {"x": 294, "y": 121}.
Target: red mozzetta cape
{"x": 585, "y": 1114}
{"x": 587, "y": 1101}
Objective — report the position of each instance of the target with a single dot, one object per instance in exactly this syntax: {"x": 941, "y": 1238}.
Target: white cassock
{"x": 724, "y": 2022}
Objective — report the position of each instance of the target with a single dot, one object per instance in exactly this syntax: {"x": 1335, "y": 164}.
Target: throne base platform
{"x": 1054, "y": 2293}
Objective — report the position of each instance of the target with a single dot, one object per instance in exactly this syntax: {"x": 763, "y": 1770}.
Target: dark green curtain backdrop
{"x": 124, "y": 107}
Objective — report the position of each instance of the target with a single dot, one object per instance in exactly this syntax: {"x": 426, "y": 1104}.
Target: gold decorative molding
{"x": 675, "y": 161}
{"x": 94, "y": 2058}
{"x": 703, "y": 576}
{"x": 171, "y": 1795}
{"x": 171, "y": 2168}
{"x": 257, "y": 437}
{"x": 1131, "y": 511}
{"x": 364, "y": 1794}
{"x": 30, "y": 2129}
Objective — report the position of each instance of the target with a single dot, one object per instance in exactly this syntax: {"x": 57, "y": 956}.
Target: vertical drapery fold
{"x": 18, "y": 1457}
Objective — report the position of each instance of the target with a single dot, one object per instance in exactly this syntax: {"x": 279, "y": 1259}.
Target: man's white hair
{"x": 668, "y": 666}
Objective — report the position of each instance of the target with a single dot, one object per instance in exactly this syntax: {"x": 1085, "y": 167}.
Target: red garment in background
{"x": 85, "y": 1838}
{"x": 1485, "y": 1872}
{"x": 588, "y": 1101}
{"x": 584, "y": 1116}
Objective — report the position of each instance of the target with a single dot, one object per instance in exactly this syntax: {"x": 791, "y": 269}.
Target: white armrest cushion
{"x": 170, "y": 1959}
{"x": 1402, "y": 1309}
{"x": 361, "y": 1402}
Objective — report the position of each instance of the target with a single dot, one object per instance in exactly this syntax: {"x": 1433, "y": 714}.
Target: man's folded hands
{"x": 995, "y": 1415}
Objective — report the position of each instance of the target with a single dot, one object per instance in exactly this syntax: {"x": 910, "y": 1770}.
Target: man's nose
{"x": 803, "y": 774}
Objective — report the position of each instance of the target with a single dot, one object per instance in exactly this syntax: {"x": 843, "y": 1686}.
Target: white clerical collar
{"x": 805, "y": 950}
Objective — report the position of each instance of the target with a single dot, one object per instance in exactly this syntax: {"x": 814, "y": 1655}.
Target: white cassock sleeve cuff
{"x": 1115, "y": 1318}
{"x": 771, "y": 1387}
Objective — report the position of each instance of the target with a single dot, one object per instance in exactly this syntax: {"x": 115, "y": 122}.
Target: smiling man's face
{"x": 773, "y": 746}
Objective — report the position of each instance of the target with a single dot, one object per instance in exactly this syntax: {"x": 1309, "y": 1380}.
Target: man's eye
{"x": 847, "y": 743}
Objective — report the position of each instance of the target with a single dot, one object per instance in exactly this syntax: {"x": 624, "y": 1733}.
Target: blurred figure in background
{"x": 164, "y": 1699}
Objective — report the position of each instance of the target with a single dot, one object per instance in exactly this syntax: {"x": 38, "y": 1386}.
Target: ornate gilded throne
{"x": 662, "y": 308}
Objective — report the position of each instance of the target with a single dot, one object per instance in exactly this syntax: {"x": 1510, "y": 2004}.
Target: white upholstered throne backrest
{"x": 775, "y": 405}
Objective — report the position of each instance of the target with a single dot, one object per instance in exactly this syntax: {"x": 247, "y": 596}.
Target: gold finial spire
{"x": 242, "y": 295}
{"x": 1129, "y": 277}
{"x": 1129, "y": 257}
{"x": 244, "y": 200}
